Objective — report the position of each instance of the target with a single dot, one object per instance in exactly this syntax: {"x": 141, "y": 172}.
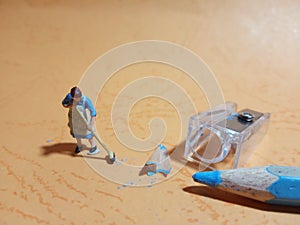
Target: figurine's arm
{"x": 92, "y": 123}
{"x": 93, "y": 112}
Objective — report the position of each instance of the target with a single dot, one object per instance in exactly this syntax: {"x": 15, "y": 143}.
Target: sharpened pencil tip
{"x": 211, "y": 178}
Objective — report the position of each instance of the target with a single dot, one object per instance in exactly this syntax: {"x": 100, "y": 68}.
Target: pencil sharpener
{"x": 216, "y": 134}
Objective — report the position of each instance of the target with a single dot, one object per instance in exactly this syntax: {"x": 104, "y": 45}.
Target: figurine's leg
{"x": 92, "y": 142}
{"x": 79, "y": 145}
{"x": 79, "y": 142}
{"x": 94, "y": 150}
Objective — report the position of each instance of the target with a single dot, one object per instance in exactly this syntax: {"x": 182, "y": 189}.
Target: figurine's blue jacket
{"x": 85, "y": 102}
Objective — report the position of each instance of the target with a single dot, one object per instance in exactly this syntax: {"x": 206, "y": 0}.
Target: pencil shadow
{"x": 240, "y": 200}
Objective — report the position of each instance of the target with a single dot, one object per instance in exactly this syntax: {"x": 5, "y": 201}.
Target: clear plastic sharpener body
{"x": 221, "y": 132}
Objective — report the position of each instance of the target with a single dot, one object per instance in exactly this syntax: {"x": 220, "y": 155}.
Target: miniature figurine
{"x": 80, "y": 122}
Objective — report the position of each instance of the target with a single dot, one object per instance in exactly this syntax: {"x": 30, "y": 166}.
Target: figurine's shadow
{"x": 59, "y": 148}
{"x": 69, "y": 150}
{"x": 240, "y": 200}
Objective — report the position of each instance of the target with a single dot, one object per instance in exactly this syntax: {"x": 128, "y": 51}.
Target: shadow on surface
{"x": 144, "y": 171}
{"x": 177, "y": 154}
{"x": 59, "y": 148}
{"x": 69, "y": 149}
{"x": 240, "y": 200}
{"x": 106, "y": 158}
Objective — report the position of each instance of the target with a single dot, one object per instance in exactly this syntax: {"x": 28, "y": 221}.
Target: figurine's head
{"x": 76, "y": 94}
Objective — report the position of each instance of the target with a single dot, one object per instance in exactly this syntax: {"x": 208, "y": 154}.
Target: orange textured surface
{"x": 253, "y": 48}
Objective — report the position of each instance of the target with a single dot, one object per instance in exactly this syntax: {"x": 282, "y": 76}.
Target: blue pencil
{"x": 271, "y": 184}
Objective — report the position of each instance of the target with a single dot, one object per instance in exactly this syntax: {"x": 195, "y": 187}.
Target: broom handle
{"x": 97, "y": 138}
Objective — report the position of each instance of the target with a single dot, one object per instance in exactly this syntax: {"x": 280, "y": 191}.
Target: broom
{"x": 111, "y": 154}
